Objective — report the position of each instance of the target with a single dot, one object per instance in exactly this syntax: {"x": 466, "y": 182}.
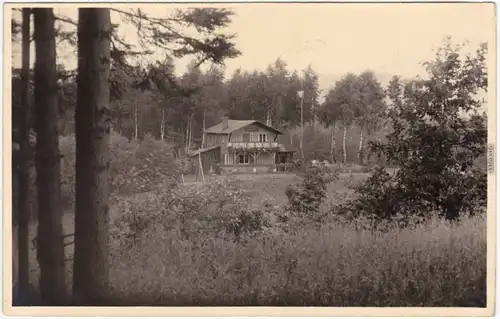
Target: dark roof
{"x": 234, "y": 125}
{"x": 202, "y": 150}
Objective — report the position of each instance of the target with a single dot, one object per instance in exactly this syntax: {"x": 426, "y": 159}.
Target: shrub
{"x": 437, "y": 136}
{"x": 144, "y": 167}
{"x": 307, "y": 197}
{"x": 136, "y": 166}
{"x": 217, "y": 209}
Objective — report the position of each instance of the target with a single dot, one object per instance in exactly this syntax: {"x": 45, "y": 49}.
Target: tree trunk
{"x": 90, "y": 272}
{"x": 190, "y": 137}
{"x": 360, "y": 149}
{"x": 186, "y": 143}
{"x": 50, "y": 245}
{"x": 302, "y": 124}
{"x": 204, "y": 127}
{"x": 190, "y": 132}
{"x": 120, "y": 123}
{"x": 333, "y": 151}
{"x": 201, "y": 168}
{"x": 344, "y": 152}
{"x": 136, "y": 118}
{"x": 182, "y": 146}
{"x": 313, "y": 115}
{"x": 162, "y": 125}
{"x": 186, "y": 147}
{"x": 24, "y": 163}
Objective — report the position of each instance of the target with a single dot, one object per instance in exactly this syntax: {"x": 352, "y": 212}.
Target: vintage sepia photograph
{"x": 245, "y": 154}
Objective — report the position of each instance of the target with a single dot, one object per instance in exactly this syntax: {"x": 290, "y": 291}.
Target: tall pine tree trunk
{"x": 90, "y": 274}
{"x": 344, "y": 151}
{"x": 333, "y": 150}
{"x": 24, "y": 162}
{"x": 360, "y": 148}
{"x": 50, "y": 245}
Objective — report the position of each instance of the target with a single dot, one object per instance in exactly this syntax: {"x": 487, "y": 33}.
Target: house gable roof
{"x": 234, "y": 125}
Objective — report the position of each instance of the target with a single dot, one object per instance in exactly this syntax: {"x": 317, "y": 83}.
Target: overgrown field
{"x": 434, "y": 265}
{"x": 193, "y": 260}
{"x": 270, "y": 188}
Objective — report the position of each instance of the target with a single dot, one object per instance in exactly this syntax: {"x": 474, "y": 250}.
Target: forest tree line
{"x": 148, "y": 98}
{"x": 152, "y": 100}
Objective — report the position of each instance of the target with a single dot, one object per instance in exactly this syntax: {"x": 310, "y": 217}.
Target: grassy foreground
{"x": 433, "y": 265}
{"x": 436, "y": 264}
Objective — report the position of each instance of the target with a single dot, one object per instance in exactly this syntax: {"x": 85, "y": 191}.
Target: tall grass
{"x": 433, "y": 264}
{"x": 436, "y": 264}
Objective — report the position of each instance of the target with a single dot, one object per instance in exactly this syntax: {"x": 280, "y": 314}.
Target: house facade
{"x": 235, "y": 146}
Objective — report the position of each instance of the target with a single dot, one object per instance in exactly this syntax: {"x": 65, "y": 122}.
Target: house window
{"x": 262, "y": 137}
{"x": 243, "y": 159}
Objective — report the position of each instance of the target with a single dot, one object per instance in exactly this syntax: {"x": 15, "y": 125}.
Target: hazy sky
{"x": 340, "y": 38}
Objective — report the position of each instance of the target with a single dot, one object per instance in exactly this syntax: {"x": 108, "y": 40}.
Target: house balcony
{"x": 253, "y": 145}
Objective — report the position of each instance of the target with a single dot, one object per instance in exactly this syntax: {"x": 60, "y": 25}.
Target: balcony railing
{"x": 253, "y": 145}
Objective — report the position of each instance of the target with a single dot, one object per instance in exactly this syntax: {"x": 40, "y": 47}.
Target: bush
{"x": 377, "y": 197}
{"x": 144, "y": 167}
{"x": 437, "y": 135}
{"x": 307, "y": 197}
{"x": 218, "y": 209}
{"x": 136, "y": 166}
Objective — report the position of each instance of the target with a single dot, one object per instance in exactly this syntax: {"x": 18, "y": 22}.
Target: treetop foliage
{"x": 437, "y": 134}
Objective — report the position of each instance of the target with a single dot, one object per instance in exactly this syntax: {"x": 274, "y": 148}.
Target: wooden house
{"x": 235, "y": 146}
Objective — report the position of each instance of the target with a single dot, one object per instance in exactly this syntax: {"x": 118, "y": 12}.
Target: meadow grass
{"x": 434, "y": 264}
{"x": 431, "y": 265}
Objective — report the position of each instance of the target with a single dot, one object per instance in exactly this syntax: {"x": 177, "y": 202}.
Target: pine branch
{"x": 65, "y": 19}
{"x": 161, "y": 33}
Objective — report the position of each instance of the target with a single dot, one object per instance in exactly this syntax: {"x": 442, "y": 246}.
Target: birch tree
{"x": 329, "y": 114}
{"x": 341, "y": 103}
{"x": 370, "y": 109}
